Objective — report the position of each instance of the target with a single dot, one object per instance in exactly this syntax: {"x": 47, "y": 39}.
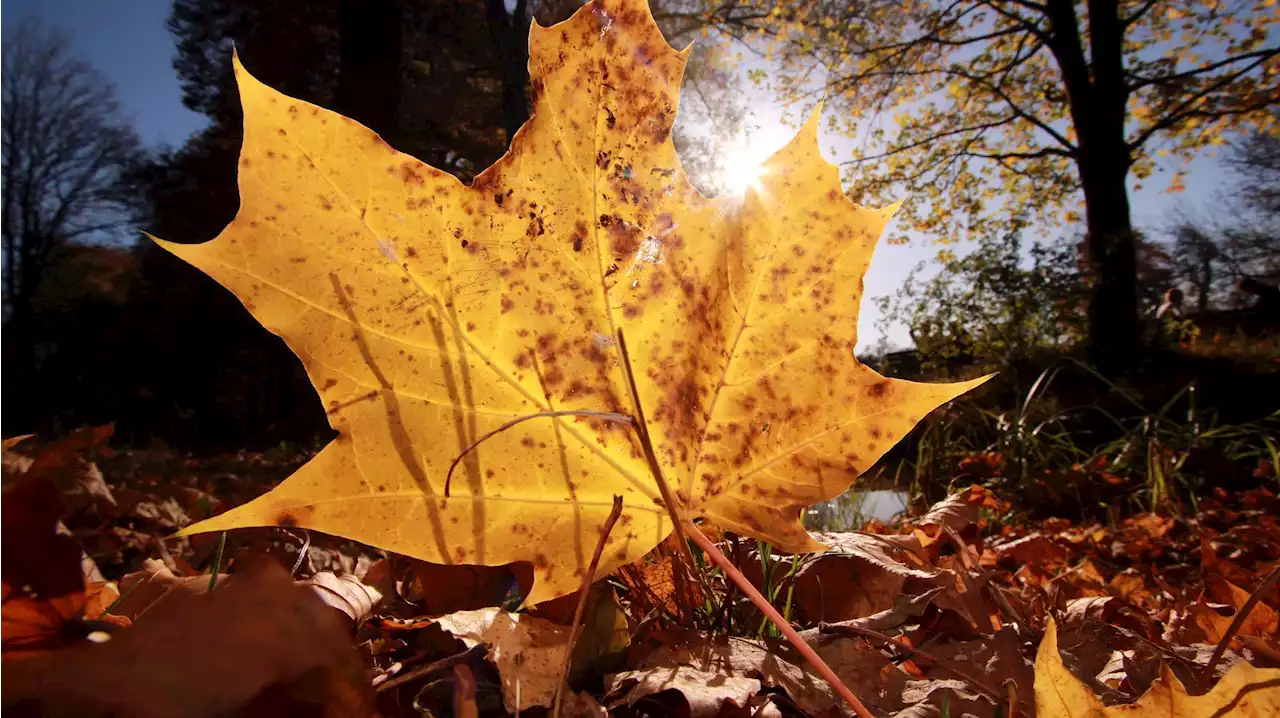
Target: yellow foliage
{"x": 429, "y": 314}
{"x": 1244, "y": 692}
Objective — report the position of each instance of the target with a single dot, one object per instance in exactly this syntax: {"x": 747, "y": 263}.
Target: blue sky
{"x": 128, "y": 43}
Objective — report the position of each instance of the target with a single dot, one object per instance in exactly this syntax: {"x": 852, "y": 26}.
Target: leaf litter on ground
{"x": 1136, "y": 609}
{"x": 962, "y": 610}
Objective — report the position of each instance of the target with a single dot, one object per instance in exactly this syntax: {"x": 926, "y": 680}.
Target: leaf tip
{"x": 810, "y": 129}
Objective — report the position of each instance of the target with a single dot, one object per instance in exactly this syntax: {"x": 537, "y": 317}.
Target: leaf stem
{"x": 674, "y": 509}
{"x": 583, "y": 593}
{"x": 772, "y": 613}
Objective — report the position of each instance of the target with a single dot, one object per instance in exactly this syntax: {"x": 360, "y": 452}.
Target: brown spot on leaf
{"x": 409, "y": 175}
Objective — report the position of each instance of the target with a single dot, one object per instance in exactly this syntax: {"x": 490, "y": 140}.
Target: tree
{"x": 1006, "y": 106}
{"x": 989, "y": 307}
{"x": 1213, "y": 255}
{"x": 65, "y": 150}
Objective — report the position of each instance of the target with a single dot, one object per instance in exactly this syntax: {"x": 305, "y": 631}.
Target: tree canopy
{"x": 993, "y": 111}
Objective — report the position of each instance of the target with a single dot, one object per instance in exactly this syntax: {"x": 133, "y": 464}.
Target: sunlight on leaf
{"x": 429, "y": 314}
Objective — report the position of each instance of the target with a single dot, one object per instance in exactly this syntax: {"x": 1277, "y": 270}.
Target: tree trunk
{"x": 510, "y": 35}
{"x": 1098, "y": 96}
{"x": 1114, "y": 330}
{"x": 369, "y": 77}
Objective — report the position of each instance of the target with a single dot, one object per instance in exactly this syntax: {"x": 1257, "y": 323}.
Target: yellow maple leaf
{"x": 429, "y": 313}
{"x": 1244, "y": 692}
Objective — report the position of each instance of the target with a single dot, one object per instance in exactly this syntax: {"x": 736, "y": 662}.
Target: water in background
{"x": 850, "y": 510}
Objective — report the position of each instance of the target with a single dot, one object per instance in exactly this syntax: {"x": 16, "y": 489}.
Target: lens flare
{"x": 744, "y": 158}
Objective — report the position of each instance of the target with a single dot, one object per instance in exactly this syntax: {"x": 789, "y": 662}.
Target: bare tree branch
{"x": 65, "y": 147}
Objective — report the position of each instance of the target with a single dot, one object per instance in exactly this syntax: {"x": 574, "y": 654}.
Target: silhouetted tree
{"x": 65, "y": 147}
{"x": 1213, "y": 255}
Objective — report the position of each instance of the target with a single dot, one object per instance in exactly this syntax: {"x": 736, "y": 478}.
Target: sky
{"x": 128, "y": 43}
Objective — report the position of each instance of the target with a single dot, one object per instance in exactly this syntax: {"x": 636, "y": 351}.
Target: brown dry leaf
{"x": 42, "y": 572}
{"x": 898, "y": 554}
{"x": 659, "y": 581}
{"x": 866, "y": 671}
{"x": 1262, "y": 620}
{"x": 259, "y": 646}
{"x": 345, "y": 593}
{"x": 153, "y": 584}
{"x": 705, "y": 693}
{"x": 11, "y": 442}
{"x": 63, "y": 464}
{"x": 528, "y": 652}
{"x": 1034, "y": 548}
{"x": 1245, "y": 692}
{"x": 156, "y": 584}
{"x": 837, "y": 588}
{"x": 959, "y": 511}
{"x": 944, "y": 698}
{"x": 439, "y": 589}
{"x": 1131, "y": 585}
{"x": 905, "y": 607}
{"x": 1212, "y": 620}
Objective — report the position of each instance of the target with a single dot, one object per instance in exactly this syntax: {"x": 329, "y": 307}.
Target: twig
{"x": 1003, "y": 602}
{"x": 913, "y": 653}
{"x": 772, "y": 613}
{"x": 303, "y": 552}
{"x": 674, "y": 508}
{"x": 1241, "y": 615}
{"x": 439, "y": 666}
{"x": 642, "y": 430}
{"x": 606, "y": 415}
{"x": 587, "y": 579}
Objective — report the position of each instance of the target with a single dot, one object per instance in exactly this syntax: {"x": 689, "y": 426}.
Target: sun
{"x": 744, "y": 158}
{"x": 741, "y": 171}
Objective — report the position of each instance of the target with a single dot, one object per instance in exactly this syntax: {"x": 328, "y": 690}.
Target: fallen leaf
{"x": 1035, "y": 548}
{"x": 42, "y": 572}
{"x": 63, "y": 464}
{"x": 832, "y": 588}
{"x": 438, "y": 589}
{"x": 429, "y": 314}
{"x": 258, "y": 646}
{"x": 942, "y": 698}
{"x": 155, "y": 584}
{"x": 866, "y": 671}
{"x": 1244, "y": 692}
{"x": 891, "y": 553}
{"x": 345, "y": 593}
{"x": 705, "y": 693}
{"x": 904, "y": 608}
{"x": 1262, "y": 620}
{"x": 528, "y": 652}
{"x": 959, "y": 511}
